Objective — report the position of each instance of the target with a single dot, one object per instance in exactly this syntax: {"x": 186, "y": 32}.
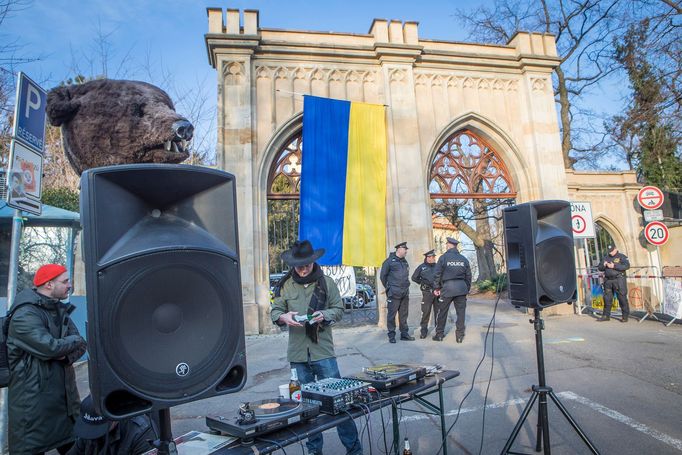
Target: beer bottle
{"x": 406, "y": 450}
{"x": 294, "y": 386}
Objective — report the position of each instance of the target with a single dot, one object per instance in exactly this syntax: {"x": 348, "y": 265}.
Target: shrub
{"x": 491, "y": 285}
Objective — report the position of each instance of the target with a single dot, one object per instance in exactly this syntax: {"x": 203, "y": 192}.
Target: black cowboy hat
{"x": 301, "y": 253}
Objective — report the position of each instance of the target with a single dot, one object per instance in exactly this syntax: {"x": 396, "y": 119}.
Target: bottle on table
{"x": 294, "y": 386}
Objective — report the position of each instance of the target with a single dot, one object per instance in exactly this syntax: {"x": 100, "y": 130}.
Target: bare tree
{"x": 12, "y": 56}
{"x": 584, "y": 31}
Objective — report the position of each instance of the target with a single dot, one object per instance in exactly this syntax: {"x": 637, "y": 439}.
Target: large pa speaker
{"x": 540, "y": 261}
{"x": 165, "y": 317}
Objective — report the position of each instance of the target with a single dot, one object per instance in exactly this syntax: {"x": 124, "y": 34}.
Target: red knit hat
{"x": 48, "y": 272}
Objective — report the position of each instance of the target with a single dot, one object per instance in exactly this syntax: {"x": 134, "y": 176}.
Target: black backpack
{"x": 4, "y": 358}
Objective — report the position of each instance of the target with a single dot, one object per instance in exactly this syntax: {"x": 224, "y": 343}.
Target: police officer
{"x": 395, "y": 276}
{"x": 614, "y": 266}
{"x": 423, "y": 276}
{"x": 452, "y": 281}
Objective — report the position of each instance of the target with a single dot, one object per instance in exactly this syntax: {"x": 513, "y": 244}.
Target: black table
{"x": 412, "y": 391}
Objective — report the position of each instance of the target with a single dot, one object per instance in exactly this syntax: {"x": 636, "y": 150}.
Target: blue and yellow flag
{"x": 343, "y": 181}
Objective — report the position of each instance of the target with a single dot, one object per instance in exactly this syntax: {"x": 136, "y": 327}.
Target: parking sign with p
{"x": 29, "y": 114}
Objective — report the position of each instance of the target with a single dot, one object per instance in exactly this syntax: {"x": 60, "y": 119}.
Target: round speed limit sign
{"x": 656, "y": 233}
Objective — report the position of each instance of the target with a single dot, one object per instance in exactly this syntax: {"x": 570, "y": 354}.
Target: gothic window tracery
{"x": 465, "y": 166}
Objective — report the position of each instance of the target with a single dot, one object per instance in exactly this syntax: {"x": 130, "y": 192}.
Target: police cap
{"x": 452, "y": 240}
{"x": 402, "y": 245}
{"x": 430, "y": 253}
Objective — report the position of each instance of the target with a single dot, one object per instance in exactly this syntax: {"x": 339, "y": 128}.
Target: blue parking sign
{"x": 29, "y": 113}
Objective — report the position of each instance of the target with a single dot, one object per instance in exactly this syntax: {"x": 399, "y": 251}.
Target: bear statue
{"x": 106, "y": 122}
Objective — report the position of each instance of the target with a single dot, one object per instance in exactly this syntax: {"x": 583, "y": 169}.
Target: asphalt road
{"x": 621, "y": 382}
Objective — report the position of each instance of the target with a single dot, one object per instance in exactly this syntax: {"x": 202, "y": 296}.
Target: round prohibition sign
{"x": 578, "y": 224}
{"x": 656, "y": 233}
{"x": 650, "y": 197}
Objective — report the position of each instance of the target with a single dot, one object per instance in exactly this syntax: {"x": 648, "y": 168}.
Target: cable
{"x": 300, "y": 441}
{"x": 473, "y": 379}
{"x": 275, "y": 443}
{"x": 492, "y": 365}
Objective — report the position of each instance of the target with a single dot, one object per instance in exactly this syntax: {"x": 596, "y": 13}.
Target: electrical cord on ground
{"x": 473, "y": 379}
{"x": 492, "y": 363}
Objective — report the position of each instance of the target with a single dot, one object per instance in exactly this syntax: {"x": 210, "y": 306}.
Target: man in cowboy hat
{"x": 395, "y": 276}
{"x": 423, "y": 276}
{"x": 452, "y": 281}
{"x": 42, "y": 345}
{"x": 309, "y": 303}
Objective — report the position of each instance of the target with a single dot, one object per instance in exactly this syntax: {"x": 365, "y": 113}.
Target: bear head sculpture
{"x": 106, "y": 122}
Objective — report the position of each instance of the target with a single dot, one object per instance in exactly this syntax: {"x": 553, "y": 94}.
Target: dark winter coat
{"x": 395, "y": 276}
{"x": 129, "y": 437}
{"x": 620, "y": 265}
{"x": 453, "y": 274}
{"x": 42, "y": 344}
{"x": 424, "y": 276}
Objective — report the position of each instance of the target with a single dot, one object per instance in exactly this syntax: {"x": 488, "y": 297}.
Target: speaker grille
{"x": 556, "y": 279}
{"x": 168, "y": 325}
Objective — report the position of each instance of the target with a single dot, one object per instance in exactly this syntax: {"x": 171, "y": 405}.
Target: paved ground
{"x": 622, "y": 383}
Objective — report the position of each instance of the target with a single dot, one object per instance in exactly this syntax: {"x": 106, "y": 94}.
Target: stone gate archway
{"x": 469, "y": 184}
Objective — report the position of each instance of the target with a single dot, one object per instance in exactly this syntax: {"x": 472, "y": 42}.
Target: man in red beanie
{"x": 42, "y": 345}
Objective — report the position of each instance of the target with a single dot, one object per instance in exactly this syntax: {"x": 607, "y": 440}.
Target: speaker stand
{"x": 165, "y": 445}
{"x": 542, "y": 391}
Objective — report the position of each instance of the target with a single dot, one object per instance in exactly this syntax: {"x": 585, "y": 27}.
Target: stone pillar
{"x": 541, "y": 136}
{"x": 408, "y": 210}
{"x": 236, "y": 150}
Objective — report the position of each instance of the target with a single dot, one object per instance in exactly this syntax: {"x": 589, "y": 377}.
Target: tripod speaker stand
{"x": 540, "y": 393}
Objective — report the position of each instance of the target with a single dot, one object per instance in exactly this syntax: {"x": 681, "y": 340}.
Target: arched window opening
{"x": 597, "y": 246}
{"x": 284, "y": 184}
{"x": 469, "y": 186}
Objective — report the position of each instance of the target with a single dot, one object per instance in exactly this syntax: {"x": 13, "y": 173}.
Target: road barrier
{"x": 645, "y": 291}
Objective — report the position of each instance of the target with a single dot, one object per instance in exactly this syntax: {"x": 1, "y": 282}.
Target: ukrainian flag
{"x": 343, "y": 181}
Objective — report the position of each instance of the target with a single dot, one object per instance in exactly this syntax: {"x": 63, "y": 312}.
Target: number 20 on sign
{"x": 656, "y": 233}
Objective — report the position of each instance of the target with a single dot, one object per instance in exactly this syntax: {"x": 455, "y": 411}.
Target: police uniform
{"x": 424, "y": 276}
{"x": 395, "y": 276}
{"x": 453, "y": 279}
{"x": 615, "y": 282}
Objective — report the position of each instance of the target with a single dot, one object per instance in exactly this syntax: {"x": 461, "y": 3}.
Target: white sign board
{"x": 581, "y": 220}
{"x": 24, "y": 179}
{"x": 673, "y": 298}
{"x": 344, "y": 277}
{"x": 653, "y": 215}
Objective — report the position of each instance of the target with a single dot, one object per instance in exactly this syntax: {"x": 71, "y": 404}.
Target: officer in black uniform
{"x": 423, "y": 276}
{"x": 614, "y": 266}
{"x": 452, "y": 281}
{"x": 395, "y": 276}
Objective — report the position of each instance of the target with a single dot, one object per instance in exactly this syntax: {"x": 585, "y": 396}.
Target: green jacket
{"x": 42, "y": 344}
{"x": 296, "y": 297}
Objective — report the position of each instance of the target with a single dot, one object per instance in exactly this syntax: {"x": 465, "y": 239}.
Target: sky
{"x": 162, "y": 42}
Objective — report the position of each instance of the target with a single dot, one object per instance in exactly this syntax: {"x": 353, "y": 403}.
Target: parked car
{"x": 363, "y": 295}
{"x": 274, "y": 279}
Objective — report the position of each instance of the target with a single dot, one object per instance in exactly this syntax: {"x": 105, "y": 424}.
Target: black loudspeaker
{"x": 540, "y": 260}
{"x": 165, "y": 317}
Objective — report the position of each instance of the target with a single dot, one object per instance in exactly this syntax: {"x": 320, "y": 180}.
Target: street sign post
{"x": 656, "y": 233}
{"x": 650, "y": 197}
{"x": 581, "y": 220}
{"x": 29, "y": 113}
{"x": 25, "y": 179}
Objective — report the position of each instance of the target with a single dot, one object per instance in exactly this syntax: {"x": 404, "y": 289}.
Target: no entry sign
{"x": 656, "y": 233}
{"x": 650, "y": 197}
